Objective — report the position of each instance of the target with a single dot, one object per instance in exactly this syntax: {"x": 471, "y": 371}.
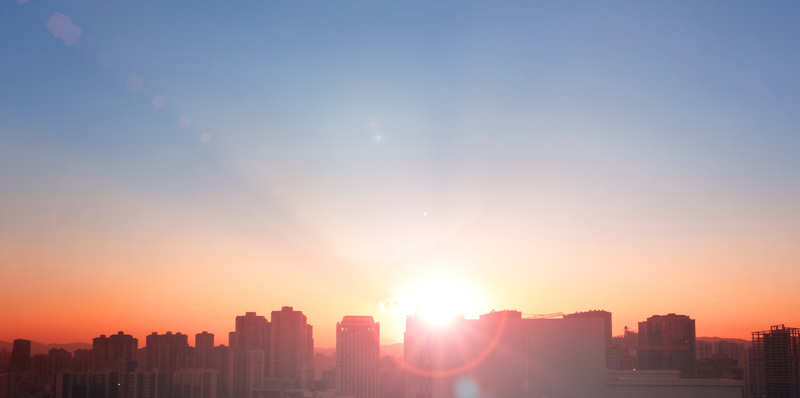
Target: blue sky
{"x": 530, "y": 145}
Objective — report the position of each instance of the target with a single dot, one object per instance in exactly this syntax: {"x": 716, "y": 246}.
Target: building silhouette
{"x": 106, "y": 350}
{"x": 252, "y": 331}
{"x": 704, "y": 350}
{"x": 720, "y": 359}
{"x": 392, "y": 377}
{"x": 220, "y": 362}
{"x": 58, "y": 360}
{"x": 204, "y": 350}
{"x": 324, "y": 363}
{"x": 625, "y": 349}
{"x": 667, "y": 342}
{"x": 21, "y": 356}
{"x": 248, "y": 363}
{"x": 358, "y": 356}
{"x": 292, "y": 345}
{"x": 81, "y": 360}
{"x": 5, "y": 383}
{"x": 612, "y": 362}
{"x": 39, "y": 364}
{"x": 166, "y": 354}
{"x": 5, "y": 358}
{"x": 775, "y": 367}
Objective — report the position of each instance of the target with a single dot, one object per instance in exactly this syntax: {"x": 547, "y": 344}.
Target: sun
{"x": 435, "y": 302}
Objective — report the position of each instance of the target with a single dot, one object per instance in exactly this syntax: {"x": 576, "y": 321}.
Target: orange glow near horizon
{"x": 71, "y": 287}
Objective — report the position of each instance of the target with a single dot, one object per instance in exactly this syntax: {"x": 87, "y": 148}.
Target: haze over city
{"x": 167, "y": 166}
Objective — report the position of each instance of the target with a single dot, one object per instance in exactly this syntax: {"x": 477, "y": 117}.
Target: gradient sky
{"x": 639, "y": 157}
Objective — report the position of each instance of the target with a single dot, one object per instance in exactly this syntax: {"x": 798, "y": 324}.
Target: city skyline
{"x": 165, "y": 166}
{"x": 500, "y": 353}
{"x": 223, "y": 338}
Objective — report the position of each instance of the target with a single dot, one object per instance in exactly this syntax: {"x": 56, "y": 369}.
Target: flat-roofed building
{"x": 358, "y": 356}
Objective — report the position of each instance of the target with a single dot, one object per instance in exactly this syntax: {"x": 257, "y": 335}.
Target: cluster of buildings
{"x": 769, "y": 365}
{"x": 499, "y": 354}
{"x": 263, "y": 359}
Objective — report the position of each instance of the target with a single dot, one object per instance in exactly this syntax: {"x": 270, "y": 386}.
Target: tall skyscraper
{"x": 667, "y": 342}
{"x": 292, "y": 344}
{"x": 106, "y": 350}
{"x": 21, "y": 355}
{"x": 358, "y": 356}
{"x": 775, "y": 369}
{"x": 204, "y": 347}
{"x": 248, "y": 364}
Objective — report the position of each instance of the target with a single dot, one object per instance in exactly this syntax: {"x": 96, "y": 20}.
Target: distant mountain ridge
{"x": 39, "y": 348}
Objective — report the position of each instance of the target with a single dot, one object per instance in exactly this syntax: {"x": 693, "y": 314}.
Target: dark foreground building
{"x": 667, "y": 342}
{"x": 775, "y": 367}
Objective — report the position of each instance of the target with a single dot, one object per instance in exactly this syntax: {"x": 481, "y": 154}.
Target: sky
{"x": 167, "y": 166}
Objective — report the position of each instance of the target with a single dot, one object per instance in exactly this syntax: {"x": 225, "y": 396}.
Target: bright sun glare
{"x": 434, "y": 302}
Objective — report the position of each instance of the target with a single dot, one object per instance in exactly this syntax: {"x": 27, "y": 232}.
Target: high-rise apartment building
{"x": 358, "y": 356}
{"x": 775, "y": 367}
{"x": 248, "y": 358}
{"x": 21, "y": 355}
{"x": 667, "y": 342}
{"x": 292, "y": 344}
{"x": 116, "y": 347}
{"x": 245, "y": 371}
{"x": 166, "y": 354}
{"x": 252, "y": 331}
{"x": 204, "y": 350}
